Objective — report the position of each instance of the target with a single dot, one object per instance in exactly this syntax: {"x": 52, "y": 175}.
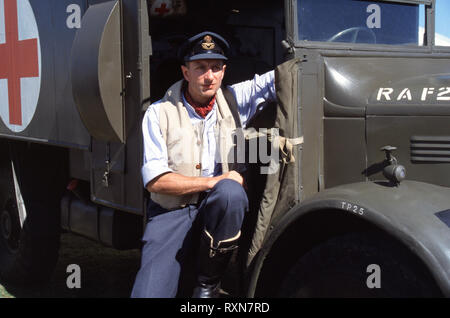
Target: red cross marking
{"x": 163, "y": 9}
{"x": 18, "y": 59}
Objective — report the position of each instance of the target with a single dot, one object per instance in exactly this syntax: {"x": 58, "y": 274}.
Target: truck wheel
{"x": 29, "y": 231}
{"x": 341, "y": 267}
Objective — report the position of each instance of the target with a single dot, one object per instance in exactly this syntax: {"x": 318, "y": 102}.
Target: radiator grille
{"x": 431, "y": 149}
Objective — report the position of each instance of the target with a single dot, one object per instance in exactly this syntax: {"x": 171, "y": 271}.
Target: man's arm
{"x": 249, "y": 94}
{"x": 155, "y": 161}
{"x": 177, "y": 184}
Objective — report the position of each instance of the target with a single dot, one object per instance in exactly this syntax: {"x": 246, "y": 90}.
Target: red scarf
{"x": 202, "y": 110}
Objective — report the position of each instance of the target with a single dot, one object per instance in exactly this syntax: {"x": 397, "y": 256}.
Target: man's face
{"x": 204, "y": 78}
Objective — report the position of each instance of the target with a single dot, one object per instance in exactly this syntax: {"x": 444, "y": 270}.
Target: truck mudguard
{"x": 416, "y": 213}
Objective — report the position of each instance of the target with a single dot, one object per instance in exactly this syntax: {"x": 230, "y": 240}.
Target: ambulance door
{"x": 110, "y": 84}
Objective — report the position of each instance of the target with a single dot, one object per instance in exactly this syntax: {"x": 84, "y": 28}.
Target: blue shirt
{"x": 249, "y": 94}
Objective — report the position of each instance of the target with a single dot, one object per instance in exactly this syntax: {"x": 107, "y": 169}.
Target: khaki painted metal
{"x": 97, "y": 72}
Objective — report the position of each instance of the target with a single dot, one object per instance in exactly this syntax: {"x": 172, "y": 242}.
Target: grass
{"x": 105, "y": 272}
{"x": 4, "y": 293}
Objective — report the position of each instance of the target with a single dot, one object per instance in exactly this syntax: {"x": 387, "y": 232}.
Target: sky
{"x": 442, "y": 17}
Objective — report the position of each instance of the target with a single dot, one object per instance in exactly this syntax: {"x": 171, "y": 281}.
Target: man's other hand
{"x": 233, "y": 175}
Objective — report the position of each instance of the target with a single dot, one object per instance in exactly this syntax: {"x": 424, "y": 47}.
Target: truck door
{"x": 110, "y": 84}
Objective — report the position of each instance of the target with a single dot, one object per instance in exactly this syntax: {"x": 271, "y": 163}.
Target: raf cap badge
{"x": 207, "y": 43}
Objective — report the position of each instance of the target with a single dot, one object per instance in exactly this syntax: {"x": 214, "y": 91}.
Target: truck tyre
{"x": 29, "y": 229}
{"x": 359, "y": 265}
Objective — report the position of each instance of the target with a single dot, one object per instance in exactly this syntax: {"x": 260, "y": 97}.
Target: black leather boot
{"x": 212, "y": 263}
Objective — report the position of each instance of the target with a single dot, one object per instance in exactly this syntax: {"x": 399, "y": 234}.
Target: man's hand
{"x": 233, "y": 175}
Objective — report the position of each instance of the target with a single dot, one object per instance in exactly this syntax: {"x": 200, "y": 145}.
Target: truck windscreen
{"x": 358, "y": 21}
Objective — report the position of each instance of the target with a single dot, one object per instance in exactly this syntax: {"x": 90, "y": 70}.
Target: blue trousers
{"x": 170, "y": 237}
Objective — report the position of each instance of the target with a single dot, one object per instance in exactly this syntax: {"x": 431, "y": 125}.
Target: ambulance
{"x": 359, "y": 204}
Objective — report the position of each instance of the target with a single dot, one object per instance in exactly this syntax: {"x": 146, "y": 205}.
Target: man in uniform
{"x": 187, "y": 174}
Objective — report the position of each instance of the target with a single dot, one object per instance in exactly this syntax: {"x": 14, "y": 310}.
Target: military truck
{"x": 359, "y": 204}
